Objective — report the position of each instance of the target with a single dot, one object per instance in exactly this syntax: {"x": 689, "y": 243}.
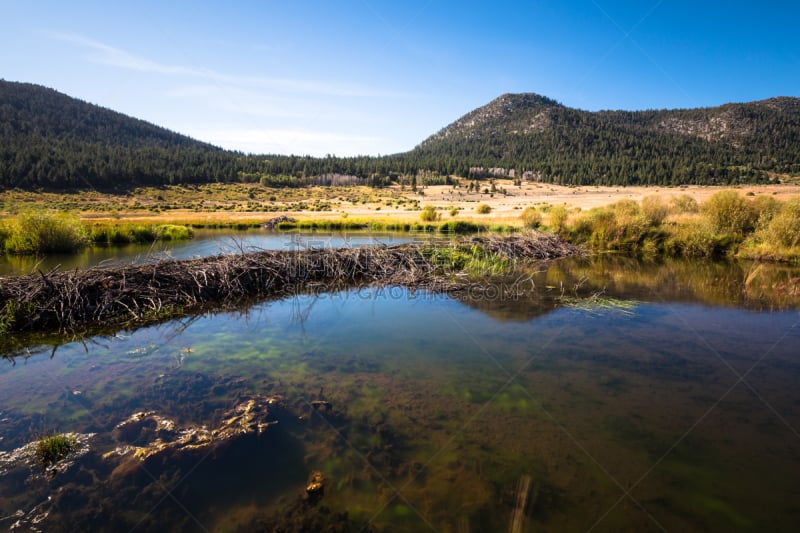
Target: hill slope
{"x": 48, "y": 139}
{"x": 528, "y": 132}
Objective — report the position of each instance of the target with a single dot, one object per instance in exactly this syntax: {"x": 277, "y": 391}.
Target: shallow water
{"x": 606, "y": 395}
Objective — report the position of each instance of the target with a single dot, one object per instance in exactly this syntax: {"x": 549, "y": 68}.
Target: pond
{"x": 206, "y": 242}
{"x": 601, "y": 394}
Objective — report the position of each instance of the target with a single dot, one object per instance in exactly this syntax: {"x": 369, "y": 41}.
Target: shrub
{"x": 784, "y": 226}
{"x": 483, "y": 209}
{"x": 459, "y": 227}
{"x": 45, "y": 232}
{"x": 171, "y": 232}
{"x": 684, "y": 203}
{"x": 531, "y": 217}
{"x": 4, "y": 234}
{"x": 655, "y": 210}
{"x": 730, "y": 213}
{"x": 765, "y": 207}
{"x": 558, "y": 216}
{"x": 453, "y": 211}
{"x": 429, "y": 214}
{"x": 692, "y": 240}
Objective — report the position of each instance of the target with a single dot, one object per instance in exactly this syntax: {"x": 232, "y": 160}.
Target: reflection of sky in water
{"x": 204, "y": 243}
{"x": 691, "y": 408}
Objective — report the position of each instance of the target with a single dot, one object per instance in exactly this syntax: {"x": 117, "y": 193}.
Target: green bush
{"x": 4, "y": 234}
{"x": 784, "y": 227}
{"x": 531, "y": 217}
{"x": 558, "y": 216}
{"x": 45, "y": 232}
{"x": 429, "y": 214}
{"x": 171, "y": 232}
{"x": 619, "y": 226}
{"x": 765, "y": 207}
{"x": 730, "y": 213}
{"x": 483, "y": 209}
{"x": 459, "y": 227}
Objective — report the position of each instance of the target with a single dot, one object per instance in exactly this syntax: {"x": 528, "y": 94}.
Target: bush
{"x": 765, "y": 207}
{"x": 618, "y": 226}
{"x": 784, "y": 226}
{"x": 453, "y": 211}
{"x": 45, "y": 232}
{"x": 531, "y": 217}
{"x": 684, "y": 203}
{"x": 4, "y": 234}
{"x": 655, "y": 210}
{"x": 170, "y": 232}
{"x": 692, "y": 240}
{"x": 558, "y": 216}
{"x": 429, "y": 214}
{"x": 483, "y": 209}
{"x": 730, "y": 213}
{"x": 459, "y": 227}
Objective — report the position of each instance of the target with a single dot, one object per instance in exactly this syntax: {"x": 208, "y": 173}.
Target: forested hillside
{"x": 50, "y": 140}
{"x": 527, "y": 132}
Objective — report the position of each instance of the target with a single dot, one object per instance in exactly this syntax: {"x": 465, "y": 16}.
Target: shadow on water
{"x": 600, "y": 393}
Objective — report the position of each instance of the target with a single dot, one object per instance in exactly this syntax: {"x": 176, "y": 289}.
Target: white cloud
{"x": 108, "y": 55}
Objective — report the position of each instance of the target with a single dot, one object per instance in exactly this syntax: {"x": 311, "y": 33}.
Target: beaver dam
{"x": 74, "y": 300}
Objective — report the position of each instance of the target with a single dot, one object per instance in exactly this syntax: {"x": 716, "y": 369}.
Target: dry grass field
{"x": 222, "y": 204}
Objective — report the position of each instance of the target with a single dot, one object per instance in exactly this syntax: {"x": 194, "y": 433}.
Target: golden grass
{"x": 229, "y": 204}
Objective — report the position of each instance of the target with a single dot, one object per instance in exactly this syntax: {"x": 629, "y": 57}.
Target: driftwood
{"x": 74, "y": 300}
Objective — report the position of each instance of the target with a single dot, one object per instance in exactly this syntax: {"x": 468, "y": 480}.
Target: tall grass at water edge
{"x": 728, "y": 224}
{"x": 41, "y": 232}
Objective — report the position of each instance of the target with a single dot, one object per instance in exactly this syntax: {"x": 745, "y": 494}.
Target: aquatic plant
{"x": 53, "y": 447}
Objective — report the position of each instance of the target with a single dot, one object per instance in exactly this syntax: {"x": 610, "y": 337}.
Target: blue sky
{"x": 374, "y": 77}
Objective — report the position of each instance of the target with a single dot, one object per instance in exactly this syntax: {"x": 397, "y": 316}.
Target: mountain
{"x": 48, "y": 139}
{"x": 554, "y": 143}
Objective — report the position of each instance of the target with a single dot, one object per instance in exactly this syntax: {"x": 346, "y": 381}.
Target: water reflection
{"x": 668, "y": 401}
{"x": 205, "y": 243}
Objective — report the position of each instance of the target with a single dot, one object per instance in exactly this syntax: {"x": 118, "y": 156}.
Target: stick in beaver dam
{"x": 73, "y": 301}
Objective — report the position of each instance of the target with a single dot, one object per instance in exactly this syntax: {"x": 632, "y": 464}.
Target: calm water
{"x": 204, "y": 243}
{"x": 603, "y": 395}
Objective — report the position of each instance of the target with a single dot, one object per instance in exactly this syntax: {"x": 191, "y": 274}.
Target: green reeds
{"x": 138, "y": 233}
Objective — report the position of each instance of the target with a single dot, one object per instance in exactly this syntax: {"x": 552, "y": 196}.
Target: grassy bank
{"x": 42, "y": 232}
{"x": 458, "y": 227}
{"x": 728, "y": 224}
